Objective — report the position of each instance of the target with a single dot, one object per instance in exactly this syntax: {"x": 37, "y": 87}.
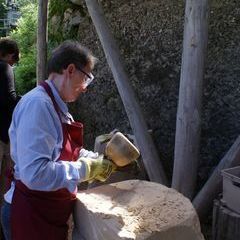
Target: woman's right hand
{"x": 97, "y": 169}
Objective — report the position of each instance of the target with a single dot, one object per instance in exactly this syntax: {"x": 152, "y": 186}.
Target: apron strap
{"x": 50, "y": 94}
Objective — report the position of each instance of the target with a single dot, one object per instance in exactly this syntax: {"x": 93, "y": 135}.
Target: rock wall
{"x": 149, "y": 34}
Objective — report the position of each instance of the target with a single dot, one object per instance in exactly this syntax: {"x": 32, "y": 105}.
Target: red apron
{"x": 41, "y": 215}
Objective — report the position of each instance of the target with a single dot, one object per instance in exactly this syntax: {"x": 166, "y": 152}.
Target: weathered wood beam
{"x": 226, "y": 223}
{"x": 136, "y": 118}
{"x": 42, "y": 40}
{"x": 203, "y": 202}
{"x": 190, "y": 93}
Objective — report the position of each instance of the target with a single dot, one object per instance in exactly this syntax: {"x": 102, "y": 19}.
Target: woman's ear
{"x": 71, "y": 68}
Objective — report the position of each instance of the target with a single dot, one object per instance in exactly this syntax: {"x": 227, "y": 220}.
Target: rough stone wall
{"x": 149, "y": 34}
{"x": 221, "y": 105}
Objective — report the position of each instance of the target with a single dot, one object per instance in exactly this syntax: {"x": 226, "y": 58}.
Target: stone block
{"x": 134, "y": 210}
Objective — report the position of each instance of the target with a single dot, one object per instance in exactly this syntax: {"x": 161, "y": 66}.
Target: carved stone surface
{"x": 136, "y": 210}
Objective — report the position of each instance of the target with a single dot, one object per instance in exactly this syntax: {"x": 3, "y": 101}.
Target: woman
{"x": 9, "y": 55}
{"x": 46, "y": 147}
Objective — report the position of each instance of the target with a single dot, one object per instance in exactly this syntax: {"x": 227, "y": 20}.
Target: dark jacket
{"x": 8, "y": 99}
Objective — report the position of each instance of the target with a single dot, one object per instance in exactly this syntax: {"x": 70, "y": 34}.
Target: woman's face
{"x": 10, "y": 59}
{"x": 74, "y": 82}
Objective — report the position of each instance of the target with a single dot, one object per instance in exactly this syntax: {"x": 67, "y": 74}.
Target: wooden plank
{"x": 203, "y": 202}
{"x": 190, "y": 93}
{"x": 226, "y": 223}
{"x": 42, "y": 41}
{"x": 144, "y": 141}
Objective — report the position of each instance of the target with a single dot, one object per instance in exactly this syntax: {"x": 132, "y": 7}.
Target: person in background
{"x": 47, "y": 150}
{"x": 9, "y": 55}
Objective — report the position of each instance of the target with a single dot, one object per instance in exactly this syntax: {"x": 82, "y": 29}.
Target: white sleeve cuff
{"x": 88, "y": 154}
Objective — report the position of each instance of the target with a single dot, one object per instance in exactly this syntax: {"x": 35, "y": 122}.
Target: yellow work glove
{"x": 97, "y": 169}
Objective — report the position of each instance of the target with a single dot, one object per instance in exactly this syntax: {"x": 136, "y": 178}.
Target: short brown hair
{"x": 9, "y": 46}
{"x": 70, "y": 52}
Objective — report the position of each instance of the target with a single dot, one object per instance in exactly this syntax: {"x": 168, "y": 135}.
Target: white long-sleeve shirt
{"x": 36, "y": 141}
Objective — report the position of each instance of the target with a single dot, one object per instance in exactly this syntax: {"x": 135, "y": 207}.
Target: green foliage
{"x": 25, "y": 72}
{"x": 26, "y": 37}
{"x": 23, "y": 3}
{"x": 2, "y": 9}
{"x": 2, "y": 16}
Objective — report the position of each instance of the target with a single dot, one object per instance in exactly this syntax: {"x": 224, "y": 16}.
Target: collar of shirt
{"x": 62, "y": 105}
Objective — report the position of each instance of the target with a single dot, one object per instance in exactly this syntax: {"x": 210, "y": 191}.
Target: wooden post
{"x": 136, "y": 118}
{"x": 226, "y": 223}
{"x": 42, "y": 41}
{"x": 189, "y": 107}
{"x": 203, "y": 202}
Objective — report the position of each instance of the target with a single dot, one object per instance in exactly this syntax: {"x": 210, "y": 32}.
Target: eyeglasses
{"x": 89, "y": 78}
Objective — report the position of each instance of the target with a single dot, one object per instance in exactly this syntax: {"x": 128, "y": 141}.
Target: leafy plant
{"x": 26, "y": 36}
{"x": 23, "y": 3}
{"x": 2, "y": 16}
